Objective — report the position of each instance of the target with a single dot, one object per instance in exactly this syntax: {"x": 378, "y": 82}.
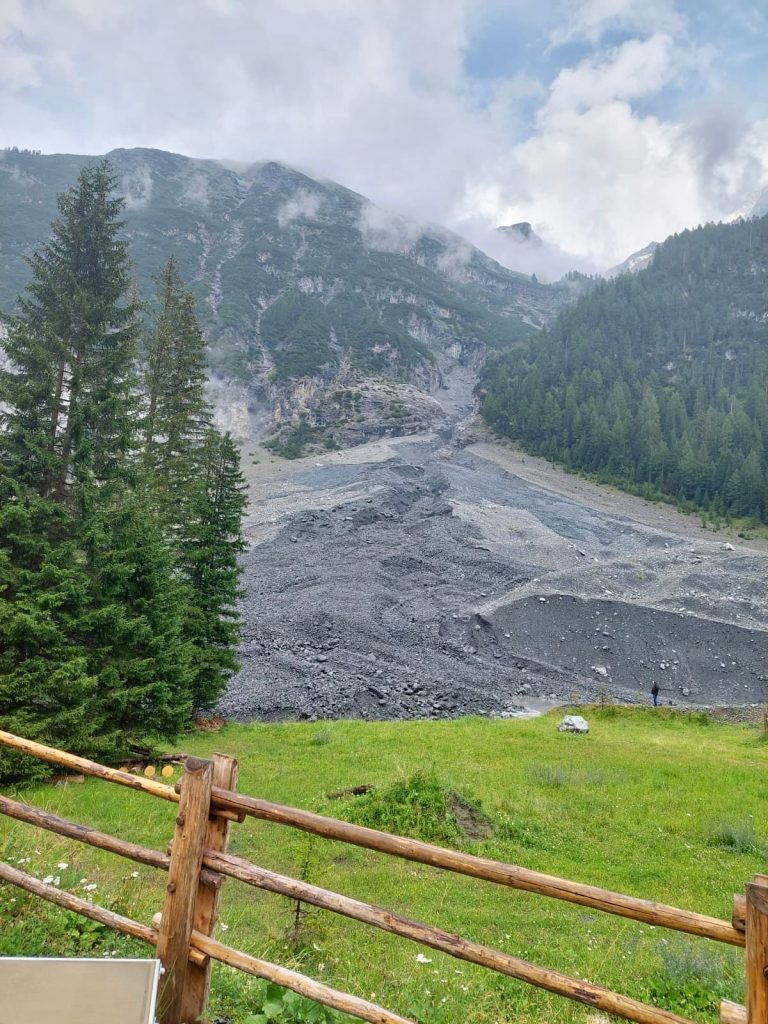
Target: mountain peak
{"x": 522, "y": 232}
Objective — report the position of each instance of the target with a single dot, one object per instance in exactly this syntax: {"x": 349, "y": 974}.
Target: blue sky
{"x": 508, "y": 40}
{"x": 606, "y": 123}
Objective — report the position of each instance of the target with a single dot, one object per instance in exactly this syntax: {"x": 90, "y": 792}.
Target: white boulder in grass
{"x": 573, "y": 723}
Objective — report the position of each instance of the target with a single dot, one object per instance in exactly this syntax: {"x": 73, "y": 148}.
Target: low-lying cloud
{"x": 302, "y": 204}
{"x": 589, "y": 148}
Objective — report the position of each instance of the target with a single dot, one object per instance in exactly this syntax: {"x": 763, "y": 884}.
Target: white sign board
{"x": 75, "y": 991}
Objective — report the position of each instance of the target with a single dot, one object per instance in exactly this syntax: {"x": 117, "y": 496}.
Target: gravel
{"x": 426, "y": 577}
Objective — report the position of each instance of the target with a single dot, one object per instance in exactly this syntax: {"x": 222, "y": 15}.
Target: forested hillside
{"x": 656, "y": 380}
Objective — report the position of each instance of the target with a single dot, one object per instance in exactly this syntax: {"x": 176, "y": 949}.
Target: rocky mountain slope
{"x": 328, "y": 318}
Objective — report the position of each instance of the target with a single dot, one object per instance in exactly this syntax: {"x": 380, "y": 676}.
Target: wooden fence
{"x": 198, "y": 862}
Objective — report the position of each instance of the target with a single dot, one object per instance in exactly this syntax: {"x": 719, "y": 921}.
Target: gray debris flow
{"x": 418, "y": 577}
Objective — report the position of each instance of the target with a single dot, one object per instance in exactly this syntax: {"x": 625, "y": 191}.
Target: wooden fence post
{"x": 198, "y": 979}
{"x": 183, "y": 882}
{"x": 757, "y": 950}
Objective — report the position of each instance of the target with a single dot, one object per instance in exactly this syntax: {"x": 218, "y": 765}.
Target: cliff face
{"x": 329, "y": 320}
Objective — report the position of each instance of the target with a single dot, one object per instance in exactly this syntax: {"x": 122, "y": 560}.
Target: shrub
{"x": 423, "y": 808}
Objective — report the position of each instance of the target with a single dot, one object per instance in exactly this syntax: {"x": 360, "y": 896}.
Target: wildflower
{"x": 91, "y": 887}
{"x": 224, "y": 927}
{"x": 421, "y": 959}
{"x": 134, "y": 874}
{"x": 48, "y": 879}
{"x": 62, "y": 865}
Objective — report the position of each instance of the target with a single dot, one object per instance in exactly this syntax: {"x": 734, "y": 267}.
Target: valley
{"x": 443, "y": 574}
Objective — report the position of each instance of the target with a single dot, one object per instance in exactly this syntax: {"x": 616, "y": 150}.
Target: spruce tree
{"x": 47, "y": 690}
{"x": 90, "y": 610}
{"x": 72, "y": 346}
{"x": 177, "y": 412}
{"x": 134, "y": 629}
{"x": 193, "y": 473}
{"x": 211, "y": 563}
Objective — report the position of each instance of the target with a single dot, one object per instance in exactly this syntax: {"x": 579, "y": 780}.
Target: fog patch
{"x": 535, "y": 255}
{"x": 387, "y": 231}
{"x": 14, "y": 172}
{"x": 136, "y": 187}
{"x": 455, "y": 258}
{"x": 303, "y": 205}
{"x": 195, "y": 190}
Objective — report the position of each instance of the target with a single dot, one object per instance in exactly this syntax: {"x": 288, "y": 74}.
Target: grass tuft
{"x": 739, "y": 836}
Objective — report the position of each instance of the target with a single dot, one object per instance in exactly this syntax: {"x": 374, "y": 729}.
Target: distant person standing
{"x": 655, "y": 693}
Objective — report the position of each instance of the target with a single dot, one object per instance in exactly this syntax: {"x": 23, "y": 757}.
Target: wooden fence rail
{"x": 199, "y": 861}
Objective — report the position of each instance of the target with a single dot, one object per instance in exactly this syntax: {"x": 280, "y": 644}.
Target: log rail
{"x": 199, "y": 861}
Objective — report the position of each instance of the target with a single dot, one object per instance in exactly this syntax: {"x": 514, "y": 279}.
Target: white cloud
{"x": 376, "y": 96}
{"x": 592, "y": 19}
{"x": 387, "y": 231}
{"x": 637, "y": 68}
{"x": 136, "y": 186}
{"x": 302, "y": 203}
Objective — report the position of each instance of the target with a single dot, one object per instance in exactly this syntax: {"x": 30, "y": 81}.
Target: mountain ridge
{"x": 325, "y": 314}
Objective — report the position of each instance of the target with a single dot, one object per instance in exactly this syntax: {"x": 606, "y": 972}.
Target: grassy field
{"x": 663, "y": 806}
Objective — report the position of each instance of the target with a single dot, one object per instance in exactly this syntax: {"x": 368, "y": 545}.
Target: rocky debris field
{"x": 432, "y": 577}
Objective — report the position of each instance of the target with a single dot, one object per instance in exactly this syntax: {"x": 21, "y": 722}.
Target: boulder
{"x": 573, "y": 723}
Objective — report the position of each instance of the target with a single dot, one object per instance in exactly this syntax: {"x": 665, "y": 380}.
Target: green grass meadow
{"x": 668, "y": 807}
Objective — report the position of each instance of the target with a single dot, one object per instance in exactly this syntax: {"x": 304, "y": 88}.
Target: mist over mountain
{"x": 319, "y": 307}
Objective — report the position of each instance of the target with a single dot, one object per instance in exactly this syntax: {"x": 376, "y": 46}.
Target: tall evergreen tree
{"x": 72, "y": 346}
{"x": 177, "y": 412}
{"x": 211, "y": 563}
{"x": 194, "y": 475}
{"x": 47, "y": 690}
{"x": 90, "y": 631}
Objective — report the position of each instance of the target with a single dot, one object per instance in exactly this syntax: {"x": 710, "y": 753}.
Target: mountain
{"x": 656, "y": 380}
{"x": 327, "y": 317}
{"x": 636, "y": 262}
{"x": 522, "y": 233}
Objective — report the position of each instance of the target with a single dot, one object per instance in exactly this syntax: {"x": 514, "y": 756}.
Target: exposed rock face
{"x": 522, "y": 232}
{"x": 328, "y": 319}
{"x": 636, "y": 262}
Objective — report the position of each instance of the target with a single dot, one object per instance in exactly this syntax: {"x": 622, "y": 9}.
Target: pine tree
{"x": 193, "y": 473}
{"x": 177, "y": 412}
{"x": 91, "y": 653}
{"x": 134, "y": 629}
{"x": 211, "y": 563}
{"x": 46, "y": 689}
{"x": 72, "y": 347}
